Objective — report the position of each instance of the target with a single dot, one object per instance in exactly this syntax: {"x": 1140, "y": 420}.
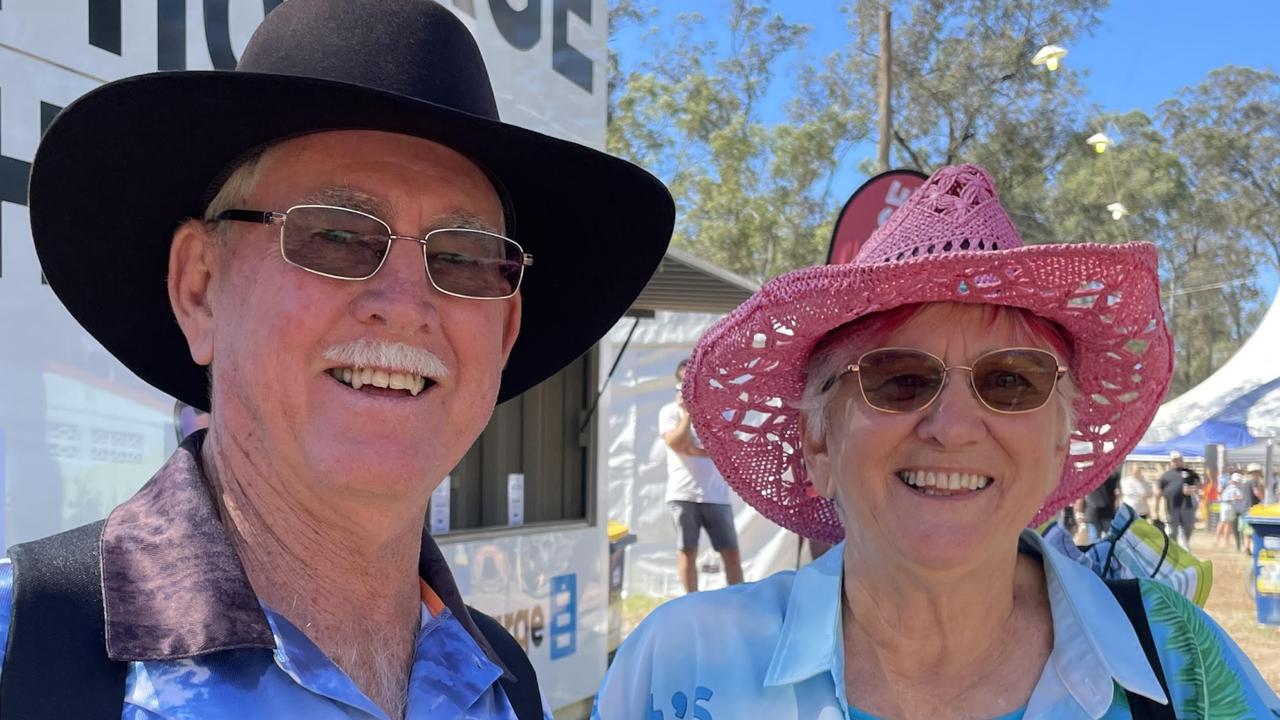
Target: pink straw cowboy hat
{"x": 950, "y": 242}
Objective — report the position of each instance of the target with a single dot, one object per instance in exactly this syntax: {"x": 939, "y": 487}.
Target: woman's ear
{"x": 817, "y": 461}
{"x": 191, "y": 261}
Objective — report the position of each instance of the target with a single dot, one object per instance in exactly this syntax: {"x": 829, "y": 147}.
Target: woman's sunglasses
{"x": 350, "y": 245}
{"x": 1012, "y": 380}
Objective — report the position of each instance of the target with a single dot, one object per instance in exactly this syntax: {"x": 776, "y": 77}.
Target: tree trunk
{"x": 886, "y": 121}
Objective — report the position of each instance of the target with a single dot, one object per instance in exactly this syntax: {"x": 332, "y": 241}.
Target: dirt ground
{"x": 1231, "y": 605}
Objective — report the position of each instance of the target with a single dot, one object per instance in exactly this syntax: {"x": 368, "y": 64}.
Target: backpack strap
{"x": 1129, "y": 595}
{"x": 522, "y": 692}
{"x": 56, "y": 664}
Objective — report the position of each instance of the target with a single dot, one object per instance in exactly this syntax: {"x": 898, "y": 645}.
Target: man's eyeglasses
{"x": 1010, "y": 381}
{"x": 351, "y": 245}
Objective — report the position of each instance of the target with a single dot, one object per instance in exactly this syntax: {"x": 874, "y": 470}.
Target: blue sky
{"x": 1142, "y": 52}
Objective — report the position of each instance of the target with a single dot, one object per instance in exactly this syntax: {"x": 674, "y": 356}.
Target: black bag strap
{"x": 1129, "y": 595}
{"x": 56, "y": 664}
{"x": 522, "y": 693}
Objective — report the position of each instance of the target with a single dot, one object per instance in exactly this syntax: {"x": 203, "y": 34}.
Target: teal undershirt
{"x": 856, "y": 714}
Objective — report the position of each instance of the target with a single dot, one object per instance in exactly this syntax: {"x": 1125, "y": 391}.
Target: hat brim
{"x": 124, "y": 165}
{"x": 747, "y": 373}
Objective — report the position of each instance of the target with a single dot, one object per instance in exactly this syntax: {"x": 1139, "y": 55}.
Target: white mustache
{"x": 365, "y": 353}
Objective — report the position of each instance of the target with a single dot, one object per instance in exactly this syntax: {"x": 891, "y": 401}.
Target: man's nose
{"x": 400, "y": 296}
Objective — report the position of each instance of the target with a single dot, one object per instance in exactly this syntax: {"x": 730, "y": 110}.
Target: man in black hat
{"x": 345, "y": 234}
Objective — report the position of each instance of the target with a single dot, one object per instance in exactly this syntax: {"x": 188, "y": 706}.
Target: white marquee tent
{"x": 1237, "y": 406}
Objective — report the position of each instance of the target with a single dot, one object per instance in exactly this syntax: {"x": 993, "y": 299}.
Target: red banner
{"x": 869, "y": 208}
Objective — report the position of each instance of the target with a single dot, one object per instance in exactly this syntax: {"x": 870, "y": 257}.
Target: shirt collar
{"x": 809, "y": 642}
{"x": 173, "y": 586}
{"x": 1094, "y": 643}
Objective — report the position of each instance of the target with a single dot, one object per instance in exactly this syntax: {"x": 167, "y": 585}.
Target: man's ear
{"x": 817, "y": 461}
{"x": 511, "y": 328}
{"x": 192, "y": 259}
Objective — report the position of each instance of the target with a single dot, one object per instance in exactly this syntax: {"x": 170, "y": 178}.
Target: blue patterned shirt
{"x": 774, "y": 649}
{"x": 179, "y": 610}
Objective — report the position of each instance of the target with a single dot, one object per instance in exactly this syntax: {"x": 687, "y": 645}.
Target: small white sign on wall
{"x": 515, "y": 499}
{"x": 440, "y": 506}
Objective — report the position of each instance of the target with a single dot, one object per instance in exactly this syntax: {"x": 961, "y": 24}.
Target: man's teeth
{"x": 359, "y": 377}
{"x": 944, "y": 481}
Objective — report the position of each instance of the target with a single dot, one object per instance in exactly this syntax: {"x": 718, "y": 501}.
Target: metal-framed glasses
{"x": 1008, "y": 381}
{"x": 348, "y": 244}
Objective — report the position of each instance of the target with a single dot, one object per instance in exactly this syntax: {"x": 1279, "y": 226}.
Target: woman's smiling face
{"x": 998, "y": 468}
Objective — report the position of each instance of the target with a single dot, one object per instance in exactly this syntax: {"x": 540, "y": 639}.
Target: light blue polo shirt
{"x": 773, "y": 649}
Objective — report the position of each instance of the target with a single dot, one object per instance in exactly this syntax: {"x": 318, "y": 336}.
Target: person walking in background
{"x": 1232, "y": 504}
{"x": 1100, "y": 506}
{"x": 697, "y": 495}
{"x": 1255, "y": 491}
{"x": 1137, "y": 493}
{"x": 1178, "y": 487}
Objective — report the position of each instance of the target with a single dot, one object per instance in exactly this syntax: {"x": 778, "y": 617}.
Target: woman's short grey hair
{"x": 840, "y": 347}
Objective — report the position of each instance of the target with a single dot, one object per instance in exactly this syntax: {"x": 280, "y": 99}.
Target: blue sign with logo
{"x": 564, "y": 616}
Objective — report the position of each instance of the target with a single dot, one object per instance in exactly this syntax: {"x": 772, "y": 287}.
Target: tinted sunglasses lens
{"x": 473, "y": 263}
{"x": 899, "y": 380}
{"x": 334, "y": 241}
{"x": 1015, "y": 380}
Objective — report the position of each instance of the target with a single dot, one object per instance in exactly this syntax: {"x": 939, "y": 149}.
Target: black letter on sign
{"x": 171, "y": 34}
{"x": 104, "y": 25}
{"x": 13, "y": 187}
{"x": 217, "y": 34}
{"x": 521, "y": 28}
{"x": 565, "y": 58}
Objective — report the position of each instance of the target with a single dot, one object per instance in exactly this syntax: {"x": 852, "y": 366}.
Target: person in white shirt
{"x": 696, "y": 495}
{"x": 1232, "y": 503}
{"x": 1137, "y": 492}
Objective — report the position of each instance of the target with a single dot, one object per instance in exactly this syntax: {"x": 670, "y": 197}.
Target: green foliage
{"x": 752, "y": 197}
{"x": 1200, "y": 178}
{"x": 1212, "y": 689}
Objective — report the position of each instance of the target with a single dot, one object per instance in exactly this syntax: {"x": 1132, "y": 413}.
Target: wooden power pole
{"x": 886, "y": 113}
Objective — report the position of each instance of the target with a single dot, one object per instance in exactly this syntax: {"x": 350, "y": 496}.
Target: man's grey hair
{"x": 235, "y": 190}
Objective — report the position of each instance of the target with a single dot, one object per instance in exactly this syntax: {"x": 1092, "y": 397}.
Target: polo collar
{"x": 1094, "y": 643}
{"x": 173, "y": 586}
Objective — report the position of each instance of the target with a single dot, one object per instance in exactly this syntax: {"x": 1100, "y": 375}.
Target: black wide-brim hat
{"x": 123, "y": 166}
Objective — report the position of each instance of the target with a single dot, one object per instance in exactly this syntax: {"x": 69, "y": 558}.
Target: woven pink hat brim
{"x": 746, "y": 373}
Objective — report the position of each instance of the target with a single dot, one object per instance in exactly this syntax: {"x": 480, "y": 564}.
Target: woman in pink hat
{"x": 923, "y": 406}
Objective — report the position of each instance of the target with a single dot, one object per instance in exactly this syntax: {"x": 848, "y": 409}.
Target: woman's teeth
{"x": 927, "y": 479}
{"x": 359, "y": 377}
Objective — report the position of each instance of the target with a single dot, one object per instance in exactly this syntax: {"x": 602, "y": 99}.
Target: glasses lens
{"x": 1015, "y": 380}
{"x": 474, "y": 263}
{"x": 334, "y": 241}
{"x": 899, "y": 380}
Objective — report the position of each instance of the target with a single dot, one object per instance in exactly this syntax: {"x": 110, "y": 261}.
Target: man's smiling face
{"x": 291, "y": 350}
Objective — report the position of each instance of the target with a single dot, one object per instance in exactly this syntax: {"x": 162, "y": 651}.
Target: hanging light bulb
{"x": 1117, "y": 210}
{"x": 1100, "y": 142}
{"x": 1048, "y": 56}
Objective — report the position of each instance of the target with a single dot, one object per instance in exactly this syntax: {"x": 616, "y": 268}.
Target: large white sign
{"x": 79, "y": 432}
